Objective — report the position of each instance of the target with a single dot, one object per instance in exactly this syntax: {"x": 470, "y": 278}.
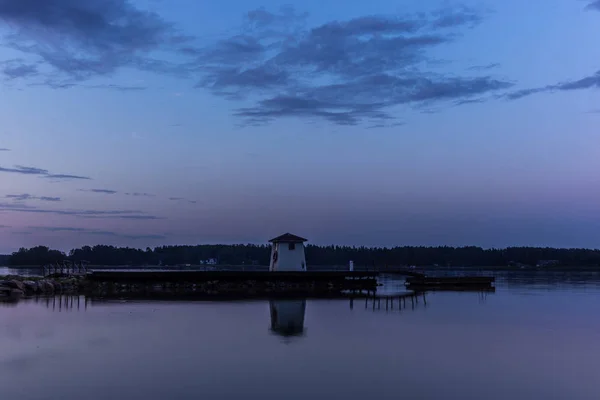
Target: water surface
{"x": 535, "y": 338}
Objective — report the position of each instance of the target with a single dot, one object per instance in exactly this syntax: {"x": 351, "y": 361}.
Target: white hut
{"x": 287, "y": 317}
{"x": 287, "y": 253}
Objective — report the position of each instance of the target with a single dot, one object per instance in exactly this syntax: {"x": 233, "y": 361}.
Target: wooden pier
{"x": 230, "y": 276}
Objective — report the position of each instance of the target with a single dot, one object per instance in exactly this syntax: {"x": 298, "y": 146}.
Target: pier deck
{"x": 237, "y": 276}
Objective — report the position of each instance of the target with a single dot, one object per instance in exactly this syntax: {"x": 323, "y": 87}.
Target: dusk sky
{"x": 149, "y": 122}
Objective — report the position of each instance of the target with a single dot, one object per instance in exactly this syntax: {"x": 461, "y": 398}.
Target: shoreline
{"x": 194, "y": 267}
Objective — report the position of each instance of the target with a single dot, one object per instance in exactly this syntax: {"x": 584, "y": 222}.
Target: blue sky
{"x": 153, "y": 122}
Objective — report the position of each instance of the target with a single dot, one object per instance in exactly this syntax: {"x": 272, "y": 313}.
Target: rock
{"x": 16, "y": 292}
{"x": 14, "y": 284}
{"x": 31, "y": 286}
{"x": 46, "y": 287}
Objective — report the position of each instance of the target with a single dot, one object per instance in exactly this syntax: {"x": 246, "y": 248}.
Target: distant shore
{"x": 499, "y": 268}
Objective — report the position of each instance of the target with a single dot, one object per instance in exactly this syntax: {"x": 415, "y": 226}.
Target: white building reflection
{"x": 287, "y": 317}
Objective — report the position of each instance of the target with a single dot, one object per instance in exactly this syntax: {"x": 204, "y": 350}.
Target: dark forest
{"x": 315, "y": 255}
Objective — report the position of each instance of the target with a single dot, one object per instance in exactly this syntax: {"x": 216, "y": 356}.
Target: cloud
{"x": 175, "y": 198}
{"x": 595, "y": 5}
{"x": 115, "y": 214}
{"x": 27, "y": 196}
{"x": 4, "y": 227}
{"x": 68, "y": 84}
{"x": 19, "y": 169}
{"x": 484, "y": 67}
{"x": 82, "y": 39}
{"x": 87, "y": 231}
{"x": 136, "y": 194}
{"x": 103, "y": 191}
{"x": 4, "y": 149}
{"x": 120, "y": 88}
{"x": 589, "y": 82}
{"x": 17, "y": 68}
{"x": 65, "y": 176}
{"x": 345, "y": 72}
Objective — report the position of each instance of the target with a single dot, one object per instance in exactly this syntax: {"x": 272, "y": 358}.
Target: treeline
{"x": 315, "y": 255}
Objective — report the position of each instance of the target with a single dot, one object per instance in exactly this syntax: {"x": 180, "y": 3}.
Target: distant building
{"x": 287, "y": 253}
{"x": 210, "y": 261}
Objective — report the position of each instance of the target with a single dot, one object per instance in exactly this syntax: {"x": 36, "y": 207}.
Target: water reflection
{"x": 287, "y": 317}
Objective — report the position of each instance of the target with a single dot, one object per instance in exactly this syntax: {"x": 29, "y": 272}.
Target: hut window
{"x": 292, "y": 246}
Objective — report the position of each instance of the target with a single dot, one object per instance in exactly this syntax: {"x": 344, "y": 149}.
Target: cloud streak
{"x": 4, "y": 149}
{"x": 98, "y": 232}
{"x": 103, "y": 191}
{"x": 27, "y": 196}
{"x": 589, "y": 82}
{"x": 137, "y": 194}
{"x": 44, "y": 173}
{"x": 484, "y": 67}
{"x": 344, "y": 72}
{"x": 115, "y": 214}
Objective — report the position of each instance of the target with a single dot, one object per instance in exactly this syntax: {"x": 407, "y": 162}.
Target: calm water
{"x": 537, "y": 337}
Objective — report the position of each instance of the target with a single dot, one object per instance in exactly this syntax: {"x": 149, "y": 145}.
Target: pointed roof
{"x": 288, "y": 238}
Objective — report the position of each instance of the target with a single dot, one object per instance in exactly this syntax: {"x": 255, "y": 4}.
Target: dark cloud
{"x": 595, "y": 5}
{"x": 4, "y": 149}
{"x": 175, "y": 198}
{"x": 82, "y": 39}
{"x": 19, "y": 169}
{"x": 116, "y": 214}
{"x": 365, "y": 99}
{"x": 44, "y": 173}
{"x": 87, "y": 231}
{"x": 136, "y": 194}
{"x": 4, "y": 226}
{"x": 65, "y": 176}
{"x": 590, "y": 82}
{"x": 27, "y": 196}
{"x": 15, "y": 69}
{"x": 345, "y": 72}
{"x": 103, "y": 191}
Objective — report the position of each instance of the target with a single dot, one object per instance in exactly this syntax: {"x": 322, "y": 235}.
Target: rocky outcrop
{"x": 17, "y": 286}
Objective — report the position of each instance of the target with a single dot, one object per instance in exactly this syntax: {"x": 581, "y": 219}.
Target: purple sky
{"x": 153, "y": 122}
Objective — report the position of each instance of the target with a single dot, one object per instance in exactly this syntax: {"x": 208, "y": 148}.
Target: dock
{"x": 424, "y": 283}
{"x": 231, "y": 283}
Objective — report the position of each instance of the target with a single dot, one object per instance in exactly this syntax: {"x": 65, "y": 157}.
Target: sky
{"x": 153, "y": 122}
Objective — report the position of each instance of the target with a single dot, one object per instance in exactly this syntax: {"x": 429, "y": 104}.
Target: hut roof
{"x": 288, "y": 238}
